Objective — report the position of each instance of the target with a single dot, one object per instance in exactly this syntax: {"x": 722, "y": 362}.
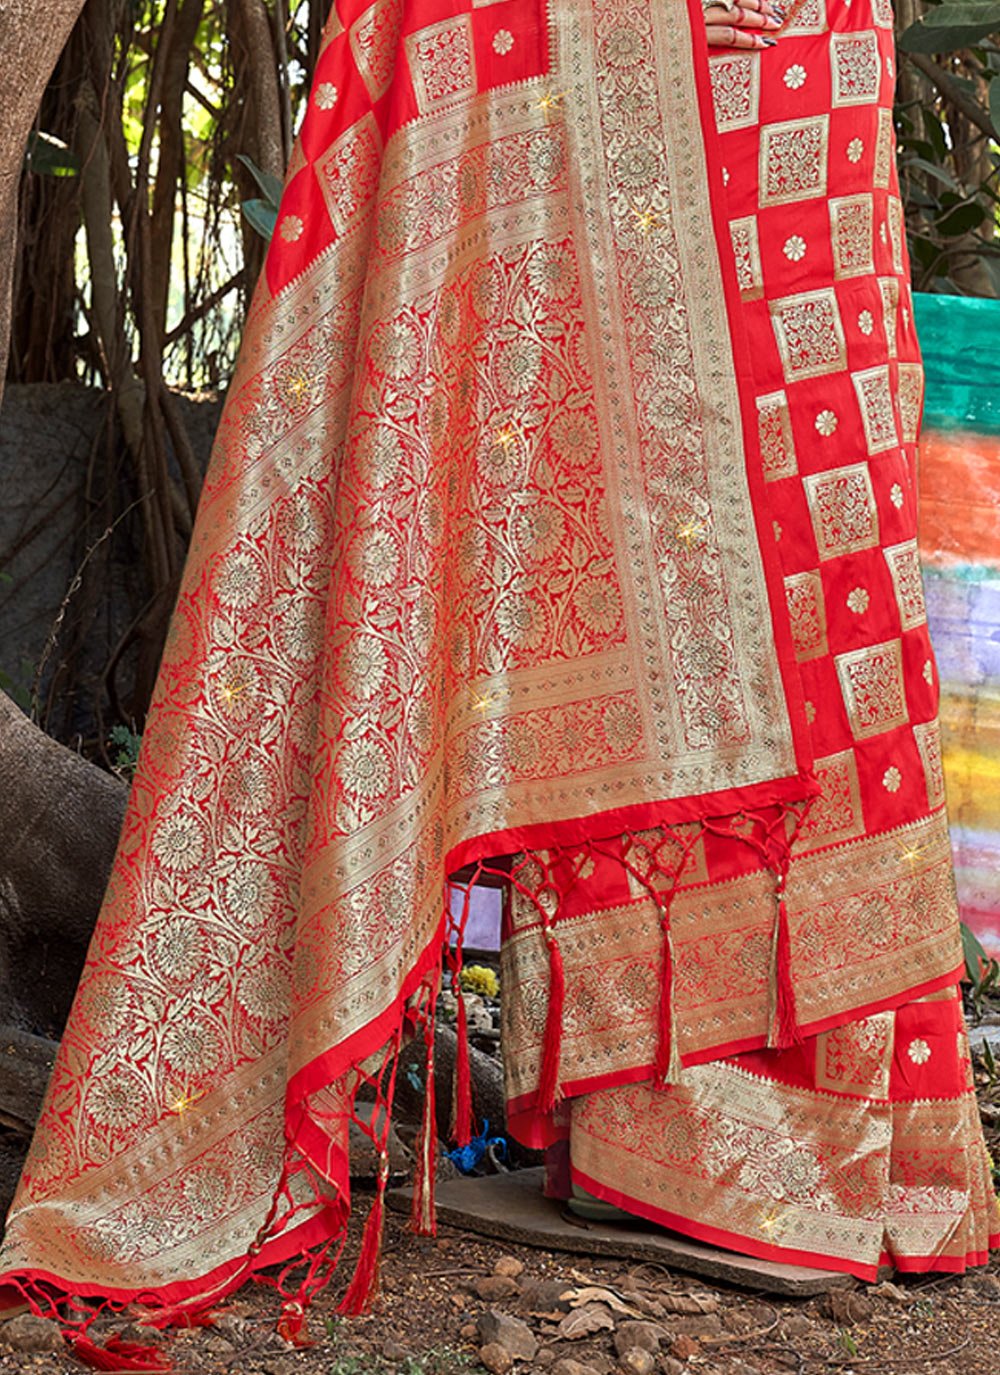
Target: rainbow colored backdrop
{"x": 960, "y": 547}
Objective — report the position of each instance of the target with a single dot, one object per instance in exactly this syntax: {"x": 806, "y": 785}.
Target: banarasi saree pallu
{"x": 544, "y": 540}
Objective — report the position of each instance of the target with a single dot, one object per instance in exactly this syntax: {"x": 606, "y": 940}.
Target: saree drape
{"x": 525, "y": 535}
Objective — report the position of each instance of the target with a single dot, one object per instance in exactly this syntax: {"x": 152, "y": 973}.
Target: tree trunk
{"x": 31, "y": 38}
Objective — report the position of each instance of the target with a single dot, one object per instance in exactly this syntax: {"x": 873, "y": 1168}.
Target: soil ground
{"x": 424, "y": 1322}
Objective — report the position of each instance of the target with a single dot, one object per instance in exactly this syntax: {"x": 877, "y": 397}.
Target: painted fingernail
{"x": 769, "y": 42}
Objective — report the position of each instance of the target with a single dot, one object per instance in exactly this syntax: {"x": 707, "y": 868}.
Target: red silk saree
{"x": 543, "y": 538}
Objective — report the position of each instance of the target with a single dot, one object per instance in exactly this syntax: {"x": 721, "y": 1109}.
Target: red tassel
{"x": 118, "y": 1355}
{"x": 423, "y": 1219}
{"x": 548, "y": 1077}
{"x": 664, "y": 1028}
{"x": 364, "y": 1286}
{"x": 292, "y": 1326}
{"x": 461, "y": 1127}
{"x": 785, "y": 1022}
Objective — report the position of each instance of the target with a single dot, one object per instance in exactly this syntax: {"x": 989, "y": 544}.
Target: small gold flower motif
{"x": 866, "y": 322}
{"x": 326, "y": 95}
{"x": 858, "y": 600}
{"x": 794, "y": 248}
{"x": 919, "y": 1051}
{"x": 795, "y": 76}
{"x": 826, "y": 422}
{"x": 810, "y": 712}
{"x": 855, "y": 150}
{"x": 928, "y": 672}
{"x": 896, "y": 496}
{"x": 891, "y": 779}
{"x": 291, "y": 228}
{"x": 503, "y": 41}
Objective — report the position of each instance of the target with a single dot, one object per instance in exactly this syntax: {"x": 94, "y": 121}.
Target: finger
{"x": 726, "y": 36}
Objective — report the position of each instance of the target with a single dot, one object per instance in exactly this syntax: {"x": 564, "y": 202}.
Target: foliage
{"x": 981, "y": 971}
{"x": 948, "y": 106}
{"x": 126, "y": 742}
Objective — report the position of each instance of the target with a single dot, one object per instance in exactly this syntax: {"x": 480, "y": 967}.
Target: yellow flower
{"x": 479, "y": 978}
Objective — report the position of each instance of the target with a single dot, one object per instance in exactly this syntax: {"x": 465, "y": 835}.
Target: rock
{"x": 545, "y": 1358}
{"x": 670, "y": 1366}
{"x": 501, "y": 1329}
{"x": 684, "y": 1347}
{"x": 509, "y": 1266}
{"x": 393, "y": 1351}
{"x": 988, "y": 1286}
{"x": 893, "y": 1293}
{"x": 846, "y": 1306}
{"x": 637, "y": 1361}
{"x": 699, "y": 1325}
{"x": 646, "y": 1336}
{"x": 796, "y": 1325}
{"x": 467, "y": 1331}
{"x": 543, "y": 1296}
{"x": 31, "y": 1334}
{"x": 585, "y": 1321}
{"x": 495, "y": 1288}
{"x": 568, "y": 1367}
{"x": 496, "y": 1358}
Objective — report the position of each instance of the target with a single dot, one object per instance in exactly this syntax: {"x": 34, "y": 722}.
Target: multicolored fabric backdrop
{"x": 960, "y": 547}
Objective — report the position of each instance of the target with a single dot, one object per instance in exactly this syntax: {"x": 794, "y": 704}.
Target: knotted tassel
{"x": 364, "y": 1285}
{"x": 784, "y": 1029}
{"x": 548, "y": 1077}
{"x": 118, "y": 1355}
{"x": 423, "y": 1219}
{"x": 668, "y": 1052}
{"x": 461, "y": 1115}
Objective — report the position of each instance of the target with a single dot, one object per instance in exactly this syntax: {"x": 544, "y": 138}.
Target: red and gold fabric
{"x": 536, "y": 526}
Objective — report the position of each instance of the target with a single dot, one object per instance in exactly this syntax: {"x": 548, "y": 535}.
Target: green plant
{"x": 981, "y": 970}
{"x": 126, "y": 742}
{"x": 947, "y": 118}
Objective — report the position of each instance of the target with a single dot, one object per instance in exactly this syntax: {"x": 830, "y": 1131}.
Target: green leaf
{"x": 261, "y": 216}
{"x": 964, "y": 14}
{"x": 935, "y": 34}
{"x": 976, "y": 958}
{"x": 270, "y": 185}
{"x": 940, "y": 173}
{"x": 961, "y": 219}
{"x": 49, "y": 156}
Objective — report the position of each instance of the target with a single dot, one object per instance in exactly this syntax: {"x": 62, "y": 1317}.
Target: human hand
{"x": 742, "y": 23}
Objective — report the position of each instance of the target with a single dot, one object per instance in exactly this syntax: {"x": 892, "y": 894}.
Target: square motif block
{"x": 885, "y": 148}
{"x": 856, "y": 68}
{"x": 348, "y": 174}
{"x": 871, "y": 681}
{"x": 851, "y": 228}
{"x": 856, "y": 1058}
{"x": 889, "y": 288}
{"x": 746, "y": 248}
{"x": 735, "y": 90}
{"x": 904, "y": 568}
{"x": 896, "y": 232}
{"x": 928, "y": 738}
{"x": 807, "y": 614}
{"x": 877, "y": 414}
{"x": 793, "y": 160}
{"x": 843, "y": 511}
{"x": 882, "y": 13}
{"x": 836, "y": 813}
{"x": 442, "y": 62}
{"x": 374, "y": 37}
{"x": 809, "y": 17}
{"x": 911, "y": 400}
{"x": 777, "y": 445}
{"x": 809, "y": 334}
